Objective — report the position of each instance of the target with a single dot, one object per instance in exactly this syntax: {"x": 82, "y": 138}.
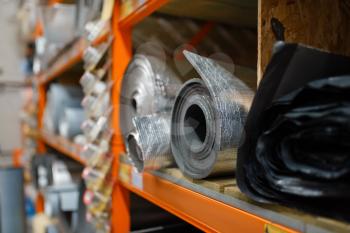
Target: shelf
{"x": 213, "y": 211}
{"x": 133, "y": 11}
{"x": 68, "y": 59}
{"x": 64, "y": 146}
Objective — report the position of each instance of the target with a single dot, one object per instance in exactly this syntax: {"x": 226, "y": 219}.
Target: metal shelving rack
{"x": 204, "y": 209}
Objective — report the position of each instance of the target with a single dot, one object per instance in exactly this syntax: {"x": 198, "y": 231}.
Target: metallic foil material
{"x": 208, "y": 119}
{"x": 149, "y": 87}
{"x": 148, "y": 145}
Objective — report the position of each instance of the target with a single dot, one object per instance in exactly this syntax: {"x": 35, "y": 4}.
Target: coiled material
{"x": 207, "y": 119}
{"x": 148, "y": 145}
{"x": 149, "y": 86}
{"x": 70, "y": 123}
{"x": 296, "y": 150}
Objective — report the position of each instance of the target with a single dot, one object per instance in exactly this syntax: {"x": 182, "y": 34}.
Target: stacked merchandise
{"x": 55, "y": 19}
{"x": 63, "y": 113}
{"x": 96, "y": 86}
{"x": 148, "y": 92}
{"x": 201, "y": 128}
{"x": 54, "y": 178}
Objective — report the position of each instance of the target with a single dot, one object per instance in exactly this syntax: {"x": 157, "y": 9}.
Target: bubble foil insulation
{"x": 148, "y": 87}
{"x": 208, "y": 119}
{"x": 296, "y": 149}
{"x": 148, "y": 145}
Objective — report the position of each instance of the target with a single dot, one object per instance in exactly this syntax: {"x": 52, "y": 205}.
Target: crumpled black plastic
{"x": 297, "y": 145}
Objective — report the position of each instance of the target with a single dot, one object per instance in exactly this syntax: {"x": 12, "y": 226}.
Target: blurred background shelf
{"x": 64, "y": 146}
{"x": 67, "y": 59}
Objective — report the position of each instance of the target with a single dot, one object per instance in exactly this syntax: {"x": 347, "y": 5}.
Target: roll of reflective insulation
{"x": 70, "y": 123}
{"x": 60, "y": 97}
{"x": 149, "y": 86}
{"x": 208, "y": 119}
{"x": 12, "y": 213}
{"x": 148, "y": 145}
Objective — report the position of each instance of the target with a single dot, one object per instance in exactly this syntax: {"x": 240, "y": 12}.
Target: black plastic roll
{"x": 148, "y": 145}
{"x": 296, "y": 149}
{"x": 208, "y": 119}
{"x": 148, "y": 87}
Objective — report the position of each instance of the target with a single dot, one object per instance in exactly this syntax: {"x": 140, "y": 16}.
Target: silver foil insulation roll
{"x": 148, "y": 87}
{"x": 148, "y": 145}
{"x": 208, "y": 119}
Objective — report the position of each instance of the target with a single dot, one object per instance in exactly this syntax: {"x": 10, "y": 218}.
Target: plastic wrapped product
{"x": 60, "y": 97}
{"x": 96, "y": 106}
{"x": 87, "y": 81}
{"x": 71, "y": 121}
{"x": 208, "y": 119}
{"x": 148, "y": 145}
{"x": 296, "y": 149}
{"x": 57, "y": 19}
{"x": 92, "y": 129}
{"x": 148, "y": 87}
{"x": 93, "y": 55}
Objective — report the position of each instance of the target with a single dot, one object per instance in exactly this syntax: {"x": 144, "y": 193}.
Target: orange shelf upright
{"x": 144, "y": 10}
{"x": 121, "y": 55}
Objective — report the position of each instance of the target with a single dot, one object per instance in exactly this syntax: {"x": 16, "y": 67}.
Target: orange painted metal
{"x": 16, "y": 157}
{"x": 39, "y": 203}
{"x": 141, "y": 12}
{"x": 121, "y": 55}
{"x": 203, "y": 212}
{"x": 41, "y": 107}
{"x": 196, "y": 39}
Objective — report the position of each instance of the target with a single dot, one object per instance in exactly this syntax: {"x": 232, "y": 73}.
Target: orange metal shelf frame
{"x": 201, "y": 211}
{"x": 64, "y": 146}
{"x": 68, "y": 59}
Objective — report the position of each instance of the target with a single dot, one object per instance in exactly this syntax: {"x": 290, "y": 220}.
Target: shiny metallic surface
{"x": 148, "y": 145}
{"x": 208, "y": 119}
{"x": 149, "y": 86}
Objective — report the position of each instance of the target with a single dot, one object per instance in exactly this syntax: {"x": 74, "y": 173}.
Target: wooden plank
{"x": 323, "y": 24}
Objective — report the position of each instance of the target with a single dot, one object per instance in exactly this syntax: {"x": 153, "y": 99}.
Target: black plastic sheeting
{"x": 297, "y": 145}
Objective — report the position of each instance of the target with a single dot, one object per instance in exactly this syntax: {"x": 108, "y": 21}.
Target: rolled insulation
{"x": 148, "y": 145}
{"x": 149, "y": 86}
{"x": 208, "y": 119}
{"x": 70, "y": 123}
